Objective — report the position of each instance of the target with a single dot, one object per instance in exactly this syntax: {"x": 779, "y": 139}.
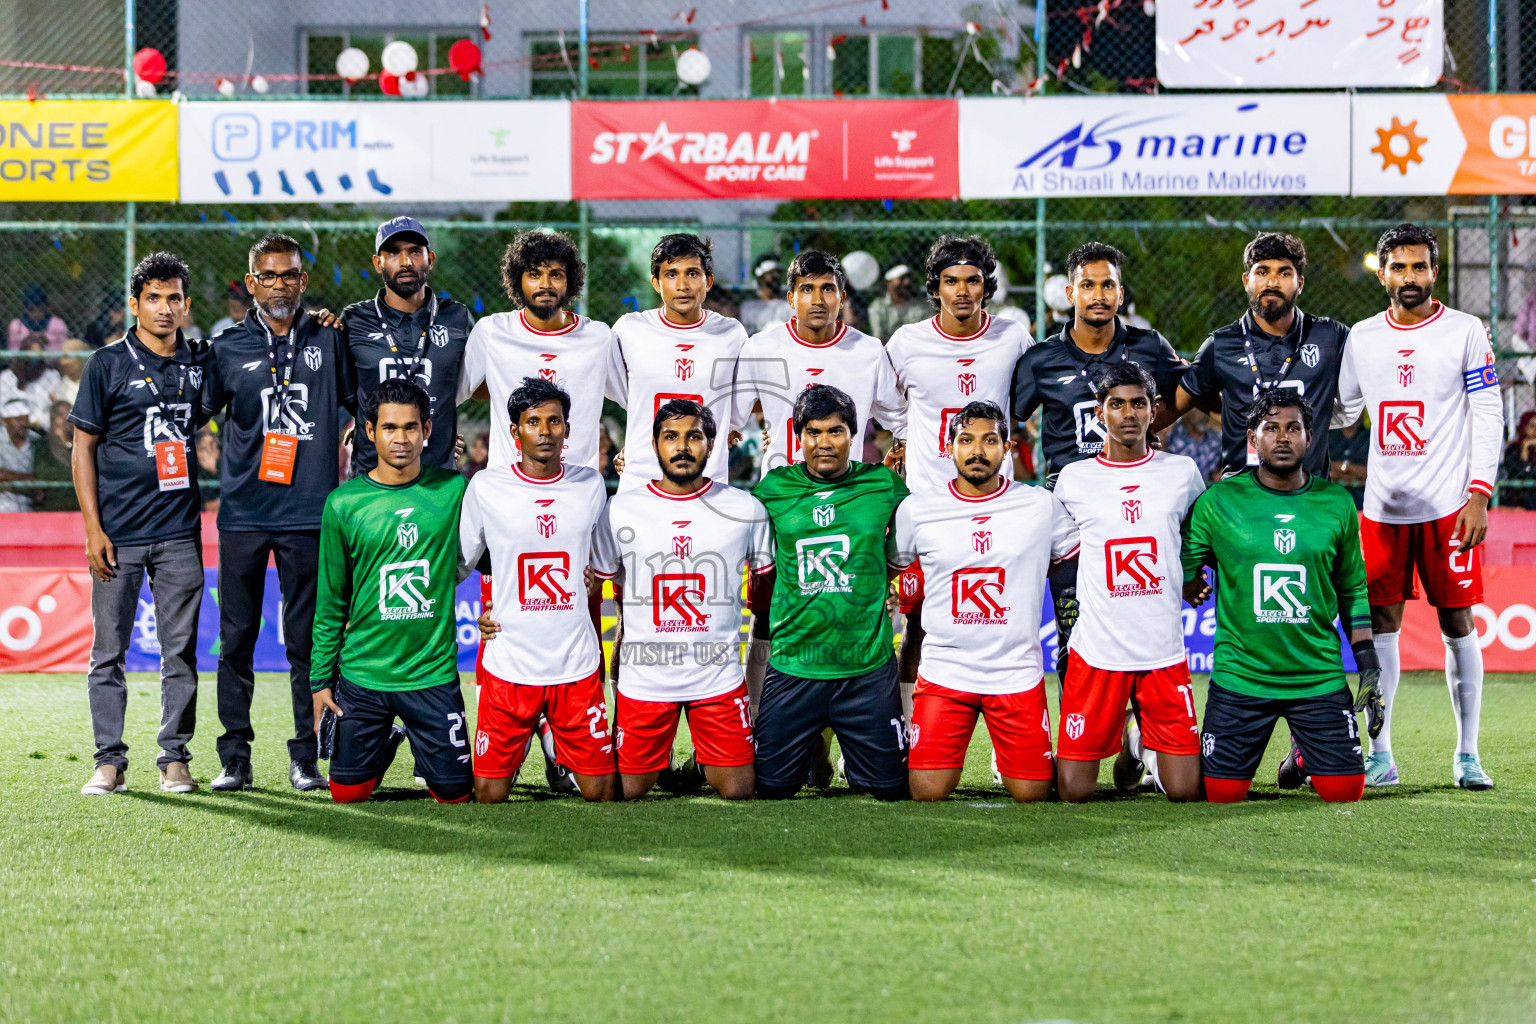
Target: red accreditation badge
{"x": 277, "y": 454}
{"x": 171, "y": 465}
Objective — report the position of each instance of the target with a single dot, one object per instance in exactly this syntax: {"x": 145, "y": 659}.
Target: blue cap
{"x": 400, "y": 226}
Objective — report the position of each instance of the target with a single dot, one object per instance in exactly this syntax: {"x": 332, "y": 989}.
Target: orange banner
{"x": 1506, "y": 624}
{"x": 45, "y": 625}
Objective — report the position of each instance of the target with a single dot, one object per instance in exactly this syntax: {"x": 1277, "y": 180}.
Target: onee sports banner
{"x": 87, "y": 151}
{"x": 1432, "y": 144}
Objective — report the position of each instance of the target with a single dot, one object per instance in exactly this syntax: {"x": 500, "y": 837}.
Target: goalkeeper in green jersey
{"x": 1285, "y": 547}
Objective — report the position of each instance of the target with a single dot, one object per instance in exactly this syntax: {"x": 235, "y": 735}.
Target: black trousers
{"x": 242, "y": 585}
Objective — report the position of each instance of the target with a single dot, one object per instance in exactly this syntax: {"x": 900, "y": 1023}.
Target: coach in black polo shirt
{"x": 407, "y": 330}
{"x": 278, "y": 377}
{"x": 1273, "y": 345}
{"x": 136, "y": 478}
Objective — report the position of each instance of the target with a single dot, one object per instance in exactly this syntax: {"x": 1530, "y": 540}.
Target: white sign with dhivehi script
{"x": 391, "y": 151}
{"x": 1252, "y": 144}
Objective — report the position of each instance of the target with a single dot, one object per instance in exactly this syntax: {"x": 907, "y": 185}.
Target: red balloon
{"x": 149, "y": 65}
{"x": 464, "y": 57}
{"x": 389, "y": 85}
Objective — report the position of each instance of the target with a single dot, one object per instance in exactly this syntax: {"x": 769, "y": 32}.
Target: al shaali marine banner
{"x": 87, "y": 151}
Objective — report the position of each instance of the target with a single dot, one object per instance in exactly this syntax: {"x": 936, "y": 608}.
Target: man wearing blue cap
{"x": 407, "y": 330}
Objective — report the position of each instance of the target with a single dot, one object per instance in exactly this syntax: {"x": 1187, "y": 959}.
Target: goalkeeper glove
{"x": 1368, "y": 697}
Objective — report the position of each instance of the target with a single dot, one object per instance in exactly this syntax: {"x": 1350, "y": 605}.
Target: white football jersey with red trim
{"x": 776, "y": 365}
{"x": 939, "y": 374}
{"x": 1437, "y": 420}
{"x": 1130, "y": 582}
{"x": 683, "y": 558}
{"x": 653, "y": 361}
{"x": 503, "y": 349}
{"x": 542, "y": 535}
{"x": 983, "y": 563}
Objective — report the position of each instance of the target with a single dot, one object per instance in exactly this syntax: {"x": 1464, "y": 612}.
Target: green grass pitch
{"x": 1418, "y": 904}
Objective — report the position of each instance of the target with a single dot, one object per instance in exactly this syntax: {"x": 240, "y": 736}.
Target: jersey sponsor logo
{"x": 482, "y": 742}
{"x": 548, "y": 373}
{"x": 544, "y": 502}
{"x": 547, "y": 524}
{"x": 824, "y": 514}
{"x": 976, "y": 596}
{"x": 157, "y": 428}
{"x": 1405, "y": 374}
{"x": 682, "y": 547}
{"x": 406, "y": 534}
{"x": 965, "y": 362}
{"x": 684, "y": 348}
{"x": 1130, "y": 509}
{"x": 966, "y": 382}
{"x": 1208, "y": 744}
{"x": 1130, "y": 567}
{"x": 684, "y": 368}
{"x": 1090, "y": 432}
{"x": 980, "y": 519}
{"x": 312, "y": 357}
{"x": 981, "y": 540}
{"x": 254, "y": 364}
{"x": 677, "y": 600}
{"x": 1398, "y": 427}
{"x": 1405, "y": 352}
{"x": 1298, "y": 386}
{"x": 1478, "y": 380}
{"x": 439, "y": 335}
{"x": 543, "y": 581}
{"x": 1285, "y": 541}
{"x": 1128, "y": 488}
{"x": 1284, "y": 517}
{"x": 911, "y": 583}
{"x": 1280, "y": 592}
{"x": 195, "y": 376}
{"x": 820, "y": 562}
{"x": 1074, "y": 725}
{"x": 814, "y": 371}
{"x": 402, "y": 590}
{"x": 1311, "y": 354}
{"x": 287, "y": 416}
{"x": 390, "y": 367}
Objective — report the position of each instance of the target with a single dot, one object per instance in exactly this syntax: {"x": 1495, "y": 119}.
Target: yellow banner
{"x": 88, "y": 150}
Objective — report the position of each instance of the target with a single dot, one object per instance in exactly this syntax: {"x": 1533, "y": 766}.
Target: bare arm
{"x": 99, "y": 551}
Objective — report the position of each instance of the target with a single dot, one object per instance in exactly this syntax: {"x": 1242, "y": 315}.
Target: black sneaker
{"x": 687, "y": 779}
{"x": 305, "y": 775}
{"x": 560, "y": 778}
{"x": 1293, "y": 772}
{"x": 235, "y": 777}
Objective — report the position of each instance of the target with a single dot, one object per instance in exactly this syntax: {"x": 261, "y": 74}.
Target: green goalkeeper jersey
{"x": 1287, "y": 563}
{"x": 831, "y": 537}
{"x": 389, "y": 562}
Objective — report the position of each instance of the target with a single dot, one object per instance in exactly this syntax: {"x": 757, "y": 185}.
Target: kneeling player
{"x": 1286, "y": 547}
{"x": 683, "y": 543}
{"x": 539, "y": 519}
{"x": 1128, "y": 644}
{"x": 983, "y": 546}
{"x": 389, "y": 550}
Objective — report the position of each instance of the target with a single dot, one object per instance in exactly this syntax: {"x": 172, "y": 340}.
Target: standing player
{"x": 962, "y": 355}
{"x": 982, "y": 544}
{"x": 683, "y": 543}
{"x": 1286, "y": 549}
{"x": 1425, "y": 373}
{"x": 814, "y": 347}
{"x": 680, "y": 351}
{"x": 543, "y": 274}
{"x": 830, "y": 662}
{"x": 408, "y": 330}
{"x": 385, "y": 636}
{"x": 538, "y": 518}
{"x": 1127, "y": 505}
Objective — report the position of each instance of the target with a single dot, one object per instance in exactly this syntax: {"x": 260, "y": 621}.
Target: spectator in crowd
{"x": 237, "y": 303}
{"x": 1348, "y": 451}
{"x": 50, "y": 461}
{"x": 723, "y": 300}
{"x": 111, "y": 322}
{"x": 1128, "y": 314}
{"x": 37, "y": 319}
{"x": 769, "y": 307}
{"x": 1518, "y": 473}
{"x": 479, "y": 455}
{"x": 71, "y": 368}
{"x": 999, "y": 304}
{"x": 209, "y": 451}
{"x": 32, "y": 380}
{"x": 606, "y": 452}
{"x": 15, "y": 455}
{"x": 899, "y": 306}
{"x": 1197, "y": 435}
{"x": 189, "y": 328}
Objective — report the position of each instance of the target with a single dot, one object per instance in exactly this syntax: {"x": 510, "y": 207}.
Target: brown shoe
{"x": 106, "y": 781}
{"x": 175, "y": 778}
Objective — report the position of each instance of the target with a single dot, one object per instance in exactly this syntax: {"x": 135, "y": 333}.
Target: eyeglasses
{"x": 267, "y": 278}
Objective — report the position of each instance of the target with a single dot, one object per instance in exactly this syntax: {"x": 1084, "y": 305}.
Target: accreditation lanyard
{"x": 170, "y": 456}
{"x": 1259, "y": 384}
{"x": 420, "y": 356}
{"x": 279, "y": 447}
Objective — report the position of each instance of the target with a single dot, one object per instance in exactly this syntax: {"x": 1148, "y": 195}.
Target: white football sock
{"x": 1391, "y": 674}
{"x": 1464, "y": 678}
{"x": 906, "y": 701}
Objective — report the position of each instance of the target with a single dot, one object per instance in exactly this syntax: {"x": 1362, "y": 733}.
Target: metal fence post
{"x": 583, "y": 217}
{"x": 1040, "y": 69}
{"x": 130, "y": 210}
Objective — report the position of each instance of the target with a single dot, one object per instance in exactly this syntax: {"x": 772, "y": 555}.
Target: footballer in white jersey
{"x": 813, "y": 347}
{"x": 981, "y": 546}
{"x": 1425, "y": 375}
{"x": 540, "y": 338}
{"x": 683, "y": 543}
{"x": 539, "y": 520}
{"x": 1127, "y": 507}
{"x": 681, "y": 350}
{"x": 938, "y": 373}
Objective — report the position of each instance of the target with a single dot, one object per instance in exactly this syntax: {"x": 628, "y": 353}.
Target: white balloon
{"x": 399, "y": 58}
{"x": 862, "y": 269}
{"x": 1056, "y": 293}
{"x": 352, "y": 64}
{"x": 414, "y": 86}
{"x": 144, "y": 90}
{"x": 259, "y": 84}
{"x": 693, "y": 66}
{"x": 226, "y": 87}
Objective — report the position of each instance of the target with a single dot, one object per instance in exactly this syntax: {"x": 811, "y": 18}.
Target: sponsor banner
{"x": 1506, "y": 624}
{"x": 1431, "y": 144}
{"x": 88, "y": 151}
{"x": 1257, "y": 144}
{"x": 1299, "y": 44}
{"x": 353, "y": 152}
{"x": 764, "y": 149}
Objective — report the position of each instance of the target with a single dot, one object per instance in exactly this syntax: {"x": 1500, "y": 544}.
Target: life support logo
{"x": 22, "y": 627}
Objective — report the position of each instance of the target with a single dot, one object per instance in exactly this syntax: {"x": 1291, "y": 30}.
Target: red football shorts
{"x": 944, "y": 719}
{"x": 1093, "y": 704}
{"x": 508, "y": 714}
{"x": 1393, "y": 551}
{"x": 721, "y": 729}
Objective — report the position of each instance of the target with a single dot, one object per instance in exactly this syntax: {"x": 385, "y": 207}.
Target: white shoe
{"x": 106, "y": 781}
{"x": 177, "y": 778}
{"x": 997, "y": 776}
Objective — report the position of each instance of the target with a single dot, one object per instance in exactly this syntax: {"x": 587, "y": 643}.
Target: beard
{"x": 1410, "y": 296}
{"x": 544, "y": 308}
{"x": 682, "y": 473}
{"x": 1258, "y": 307}
{"x": 279, "y": 308}
{"x": 410, "y": 286}
{"x": 978, "y": 472}
{"x": 1277, "y": 470}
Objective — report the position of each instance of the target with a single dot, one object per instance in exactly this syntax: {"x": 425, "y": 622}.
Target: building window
{"x": 779, "y": 63}
{"x": 323, "y": 45}
{"x": 877, "y": 64}
{"x": 618, "y": 65}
